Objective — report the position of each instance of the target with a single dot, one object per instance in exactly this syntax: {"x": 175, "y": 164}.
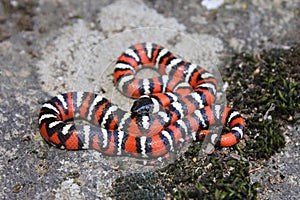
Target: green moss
{"x": 211, "y": 178}
{"x": 268, "y": 95}
{"x": 137, "y": 186}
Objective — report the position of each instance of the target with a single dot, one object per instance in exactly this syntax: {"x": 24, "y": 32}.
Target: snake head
{"x": 143, "y": 106}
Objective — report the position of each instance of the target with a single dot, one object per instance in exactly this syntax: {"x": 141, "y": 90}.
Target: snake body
{"x": 171, "y": 109}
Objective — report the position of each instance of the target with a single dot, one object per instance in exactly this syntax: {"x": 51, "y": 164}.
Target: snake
{"x": 169, "y": 110}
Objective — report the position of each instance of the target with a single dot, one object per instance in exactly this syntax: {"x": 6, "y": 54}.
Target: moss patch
{"x": 265, "y": 88}
{"x": 138, "y": 186}
{"x": 268, "y": 96}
